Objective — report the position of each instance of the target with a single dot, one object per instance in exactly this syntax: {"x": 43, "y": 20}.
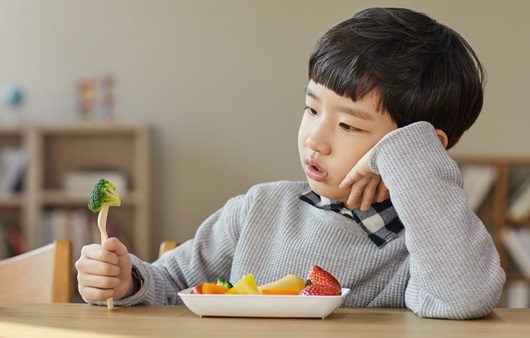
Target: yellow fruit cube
{"x": 246, "y": 285}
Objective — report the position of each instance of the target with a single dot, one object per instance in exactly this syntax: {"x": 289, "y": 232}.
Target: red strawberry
{"x": 319, "y": 290}
{"x": 319, "y": 276}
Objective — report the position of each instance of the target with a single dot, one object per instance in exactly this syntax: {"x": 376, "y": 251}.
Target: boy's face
{"x": 334, "y": 134}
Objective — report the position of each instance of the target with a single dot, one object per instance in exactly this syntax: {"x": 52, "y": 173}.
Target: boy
{"x": 389, "y": 90}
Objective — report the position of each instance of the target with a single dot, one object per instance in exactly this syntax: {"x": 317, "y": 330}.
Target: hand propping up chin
{"x": 366, "y": 186}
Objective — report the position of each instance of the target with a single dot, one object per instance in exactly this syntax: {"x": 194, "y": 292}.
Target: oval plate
{"x": 272, "y": 306}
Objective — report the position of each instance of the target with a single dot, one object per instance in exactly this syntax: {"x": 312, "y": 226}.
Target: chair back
{"x": 43, "y": 275}
{"x": 166, "y": 246}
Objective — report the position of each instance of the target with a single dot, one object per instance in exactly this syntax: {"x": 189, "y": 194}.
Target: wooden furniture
{"x": 166, "y": 246}
{"x": 511, "y": 172}
{"x": 56, "y": 151}
{"x": 82, "y": 320}
{"x": 41, "y": 275}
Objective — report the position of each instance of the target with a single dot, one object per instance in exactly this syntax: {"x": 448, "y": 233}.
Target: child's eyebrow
{"x": 357, "y": 113}
{"x": 354, "y": 112}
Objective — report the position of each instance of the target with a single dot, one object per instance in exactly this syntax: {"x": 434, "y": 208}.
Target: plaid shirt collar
{"x": 380, "y": 223}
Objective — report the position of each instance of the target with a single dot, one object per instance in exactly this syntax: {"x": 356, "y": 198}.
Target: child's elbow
{"x": 472, "y": 303}
{"x": 460, "y": 311}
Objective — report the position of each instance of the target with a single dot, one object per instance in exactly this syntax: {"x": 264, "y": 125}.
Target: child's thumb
{"x": 113, "y": 244}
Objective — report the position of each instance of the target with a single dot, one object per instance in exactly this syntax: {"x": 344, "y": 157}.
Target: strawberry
{"x": 319, "y": 276}
{"x": 319, "y": 290}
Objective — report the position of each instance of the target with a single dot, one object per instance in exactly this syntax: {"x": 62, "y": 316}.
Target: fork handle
{"x": 102, "y": 225}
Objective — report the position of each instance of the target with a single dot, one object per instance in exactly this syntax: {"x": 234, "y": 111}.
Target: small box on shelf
{"x": 81, "y": 182}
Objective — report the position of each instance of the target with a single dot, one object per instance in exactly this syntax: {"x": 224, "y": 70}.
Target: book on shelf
{"x": 478, "y": 180}
{"x": 12, "y": 242}
{"x": 66, "y": 224}
{"x": 517, "y": 243}
{"x": 79, "y": 225}
{"x": 519, "y": 201}
{"x": 13, "y": 163}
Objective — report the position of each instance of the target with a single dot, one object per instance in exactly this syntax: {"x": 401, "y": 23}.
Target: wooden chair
{"x": 42, "y": 275}
{"x": 166, "y": 246}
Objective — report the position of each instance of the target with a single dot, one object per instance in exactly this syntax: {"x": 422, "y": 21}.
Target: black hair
{"x": 422, "y": 70}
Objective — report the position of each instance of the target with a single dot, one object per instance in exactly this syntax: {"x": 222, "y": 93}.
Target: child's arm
{"x": 204, "y": 258}
{"x": 454, "y": 266}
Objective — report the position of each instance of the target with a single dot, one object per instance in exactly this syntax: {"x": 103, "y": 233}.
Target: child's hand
{"x": 365, "y": 185}
{"x": 104, "y": 271}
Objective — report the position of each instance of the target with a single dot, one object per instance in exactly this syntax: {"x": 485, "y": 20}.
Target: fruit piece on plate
{"x": 197, "y": 290}
{"x": 319, "y": 276}
{"x": 319, "y": 290}
{"x": 285, "y": 285}
{"x": 320, "y": 283}
{"x": 246, "y": 285}
{"x": 211, "y": 288}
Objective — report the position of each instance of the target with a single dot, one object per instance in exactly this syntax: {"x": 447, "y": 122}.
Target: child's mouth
{"x": 314, "y": 171}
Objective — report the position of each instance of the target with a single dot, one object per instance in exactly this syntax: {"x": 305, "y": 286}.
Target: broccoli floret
{"x": 224, "y": 282}
{"x": 104, "y": 193}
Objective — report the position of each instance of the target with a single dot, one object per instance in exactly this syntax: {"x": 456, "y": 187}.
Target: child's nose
{"x": 318, "y": 140}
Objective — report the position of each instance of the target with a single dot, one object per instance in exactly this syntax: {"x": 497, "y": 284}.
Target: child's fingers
{"x": 95, "y": 294}
{"x": 382, "y": 192}
{"x": 356, "y": 191}
{"x": 369, "y": 192}
{"x": 352, "y": 177}
{"x": 98, "y": 281}
{"x": 96, "y": 267}
{"x": 91, "y": 251}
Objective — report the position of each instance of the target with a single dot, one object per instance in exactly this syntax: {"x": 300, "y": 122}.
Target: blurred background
{"x": 221, "y": 83}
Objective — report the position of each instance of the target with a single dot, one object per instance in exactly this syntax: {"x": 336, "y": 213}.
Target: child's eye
{"x": 310, "y": 111}
{"x": 349, "y": 128}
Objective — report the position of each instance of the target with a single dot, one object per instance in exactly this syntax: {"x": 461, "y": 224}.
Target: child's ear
{"x": 442, "y": 136}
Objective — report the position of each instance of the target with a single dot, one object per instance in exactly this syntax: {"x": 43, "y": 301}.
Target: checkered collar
{"x": 380, "y": 223}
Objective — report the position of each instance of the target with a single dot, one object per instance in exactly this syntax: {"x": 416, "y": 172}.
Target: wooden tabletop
{"x": 82, "y": 320}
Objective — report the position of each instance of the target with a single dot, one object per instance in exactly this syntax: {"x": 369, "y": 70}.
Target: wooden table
{"x": 82, "y": 320}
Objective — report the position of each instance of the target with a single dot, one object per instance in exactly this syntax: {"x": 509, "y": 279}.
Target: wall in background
{"x": 222, "y": 82}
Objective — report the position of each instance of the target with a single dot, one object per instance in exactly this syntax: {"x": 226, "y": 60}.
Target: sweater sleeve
{"x": 455, "y": 271}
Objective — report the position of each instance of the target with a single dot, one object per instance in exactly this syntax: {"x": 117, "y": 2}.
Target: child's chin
{"x": 333, "y": 193}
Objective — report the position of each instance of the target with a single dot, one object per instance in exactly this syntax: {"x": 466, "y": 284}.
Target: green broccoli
{"x": 104, "y": 193}
{"x": 103, "y": 196}
{"x": 224, "y": 282}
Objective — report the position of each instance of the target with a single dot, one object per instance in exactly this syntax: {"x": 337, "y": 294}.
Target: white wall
{"x": 222, "y": 82}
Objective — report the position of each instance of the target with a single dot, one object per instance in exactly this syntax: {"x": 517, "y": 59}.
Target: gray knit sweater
{"x": 443, "y": 265}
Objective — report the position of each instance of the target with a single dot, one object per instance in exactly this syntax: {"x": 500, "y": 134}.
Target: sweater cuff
{"x": 402, "y": 142}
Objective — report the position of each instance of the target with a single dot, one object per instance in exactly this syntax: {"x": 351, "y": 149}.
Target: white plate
{"x": 277, "y": 306}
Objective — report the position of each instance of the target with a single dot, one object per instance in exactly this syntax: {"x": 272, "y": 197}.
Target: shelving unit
{"x": 511, "y": 172}
{"x": 56, "y": 150}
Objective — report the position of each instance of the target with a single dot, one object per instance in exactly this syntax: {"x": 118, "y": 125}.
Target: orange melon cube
{"x": 210, "y": 288}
